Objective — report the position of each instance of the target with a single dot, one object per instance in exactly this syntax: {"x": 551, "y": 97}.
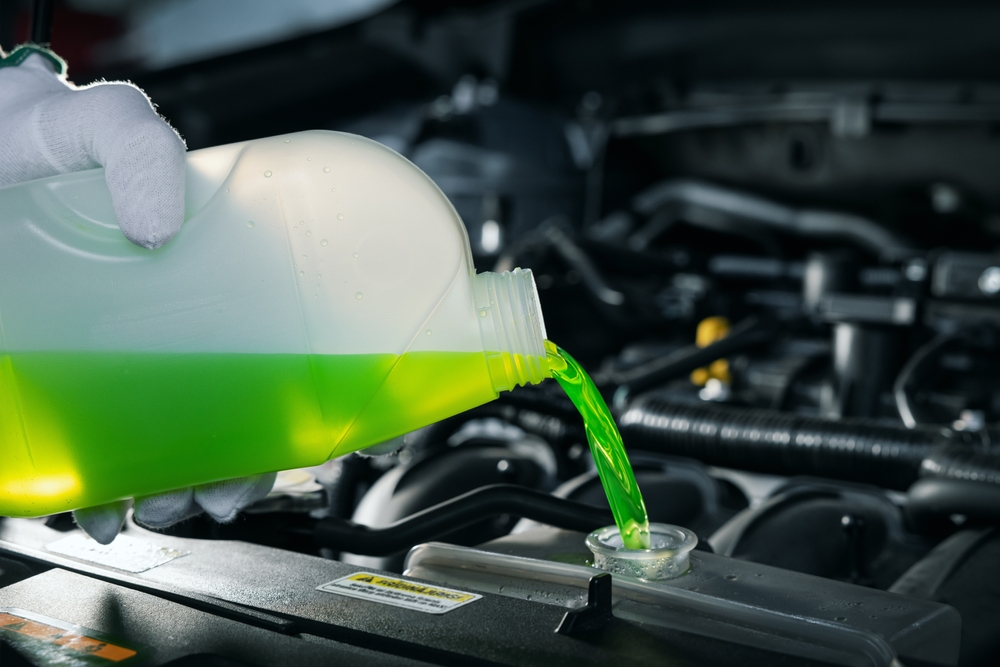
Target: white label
{"x": 125, "y": 553}
{"x": 399, "y": 592}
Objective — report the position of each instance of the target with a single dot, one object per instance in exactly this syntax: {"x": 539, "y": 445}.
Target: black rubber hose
{"x": 468, "y": 508}
{"x": 931, "y": 500}
{"x": 751, "y": 331}
{"x": 780, "y": 443}
{"x": 963, "y": 463}
{"x": 696, "y": 196}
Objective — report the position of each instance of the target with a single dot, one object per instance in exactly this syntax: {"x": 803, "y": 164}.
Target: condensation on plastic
{"x": 310, "y": 243}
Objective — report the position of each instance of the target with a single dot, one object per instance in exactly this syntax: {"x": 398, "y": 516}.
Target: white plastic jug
{"x": 319, "y": 299}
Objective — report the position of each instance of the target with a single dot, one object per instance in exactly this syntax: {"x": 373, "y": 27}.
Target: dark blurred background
{"x": 224, "y": 70}
{"x": 559, "y": 113}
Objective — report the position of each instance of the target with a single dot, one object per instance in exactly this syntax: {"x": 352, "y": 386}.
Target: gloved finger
{"x": 115, "y": 125}
{"x": 382, "y": 449}
{"x": 224, "y": 500}
{"x": 102, "y": 522}
{"x": 165, "y": 509}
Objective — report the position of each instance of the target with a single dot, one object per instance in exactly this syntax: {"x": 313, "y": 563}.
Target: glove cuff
{"x": 21, "y": 52}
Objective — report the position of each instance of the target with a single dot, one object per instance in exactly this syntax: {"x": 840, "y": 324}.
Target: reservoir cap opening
{"x": 667, "y": 557}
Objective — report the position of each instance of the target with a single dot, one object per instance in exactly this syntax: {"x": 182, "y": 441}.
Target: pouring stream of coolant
{"x": 606, "y": 446}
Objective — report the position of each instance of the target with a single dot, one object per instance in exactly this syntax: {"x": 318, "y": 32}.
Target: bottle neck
{"x": 512, "y": 327}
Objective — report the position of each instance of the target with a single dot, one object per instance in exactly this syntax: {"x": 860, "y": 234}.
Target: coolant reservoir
{"x": 319, "y": 299}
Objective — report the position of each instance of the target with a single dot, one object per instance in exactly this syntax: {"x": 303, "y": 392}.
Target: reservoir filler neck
{"x": 512, "y": 327}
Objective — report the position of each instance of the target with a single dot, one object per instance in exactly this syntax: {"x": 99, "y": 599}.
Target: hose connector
{"x": 512, "y": 327}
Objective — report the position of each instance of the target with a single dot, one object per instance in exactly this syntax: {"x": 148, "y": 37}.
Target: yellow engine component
{"x": 710, "y": 330}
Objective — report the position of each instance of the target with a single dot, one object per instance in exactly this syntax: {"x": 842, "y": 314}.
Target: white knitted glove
{"x": 221, "y": 500}
{"x": 49, "y": 126}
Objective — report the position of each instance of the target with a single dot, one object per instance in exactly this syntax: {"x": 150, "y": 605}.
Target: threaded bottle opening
{"x": 511, "y": 324}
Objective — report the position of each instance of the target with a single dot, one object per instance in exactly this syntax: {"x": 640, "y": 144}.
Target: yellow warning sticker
{"x": 399, "y": 592}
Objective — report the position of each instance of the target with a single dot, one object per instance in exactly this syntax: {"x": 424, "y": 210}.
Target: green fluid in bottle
{"x": 606, "y": 446}
{"x": 79, "y": 429}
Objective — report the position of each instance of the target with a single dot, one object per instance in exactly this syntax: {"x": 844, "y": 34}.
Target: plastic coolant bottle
{"x": 319, "y": 299}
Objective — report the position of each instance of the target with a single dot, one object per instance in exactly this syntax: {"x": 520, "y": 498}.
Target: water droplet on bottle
{"x": 355, "y": 255}
{"x": 302, "y": 273}
{"x": 250, "y": 224}
{"x": 340, "y": 216}
{"x": 326, "y": 170}
{"x": 482, "y": 313}
{"x": 309, "y": 159}
{"x": 427, "y": 333}
{"x": 324, "y": 243}
{"x": 227, "y": 189}
{"x": 318, "y": 276}
{"x": 295, "y": 229}
{"x": 359, "y": 296}
{"x": 287, "y": 140}
{"x": 267, "y": 174}
{"x": 308, "y": 233}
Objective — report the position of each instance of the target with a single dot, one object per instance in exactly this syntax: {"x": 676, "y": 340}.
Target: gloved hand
{"x": 49, "y": 126}
{"x": 52, "y": 127}
{"x": 220, "y": 500}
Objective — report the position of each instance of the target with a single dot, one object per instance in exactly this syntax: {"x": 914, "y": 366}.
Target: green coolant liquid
{"x": 605, "y": 445}
{"x": 68, "y": 421}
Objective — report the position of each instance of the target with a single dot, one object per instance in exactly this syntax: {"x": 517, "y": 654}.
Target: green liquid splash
{"x": 606, "y": 446}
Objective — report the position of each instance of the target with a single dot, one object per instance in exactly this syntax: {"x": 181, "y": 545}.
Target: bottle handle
{"x": 206, "y": 171}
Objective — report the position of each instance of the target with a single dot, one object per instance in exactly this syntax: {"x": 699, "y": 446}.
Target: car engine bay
{"x": 772, "y": 236}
